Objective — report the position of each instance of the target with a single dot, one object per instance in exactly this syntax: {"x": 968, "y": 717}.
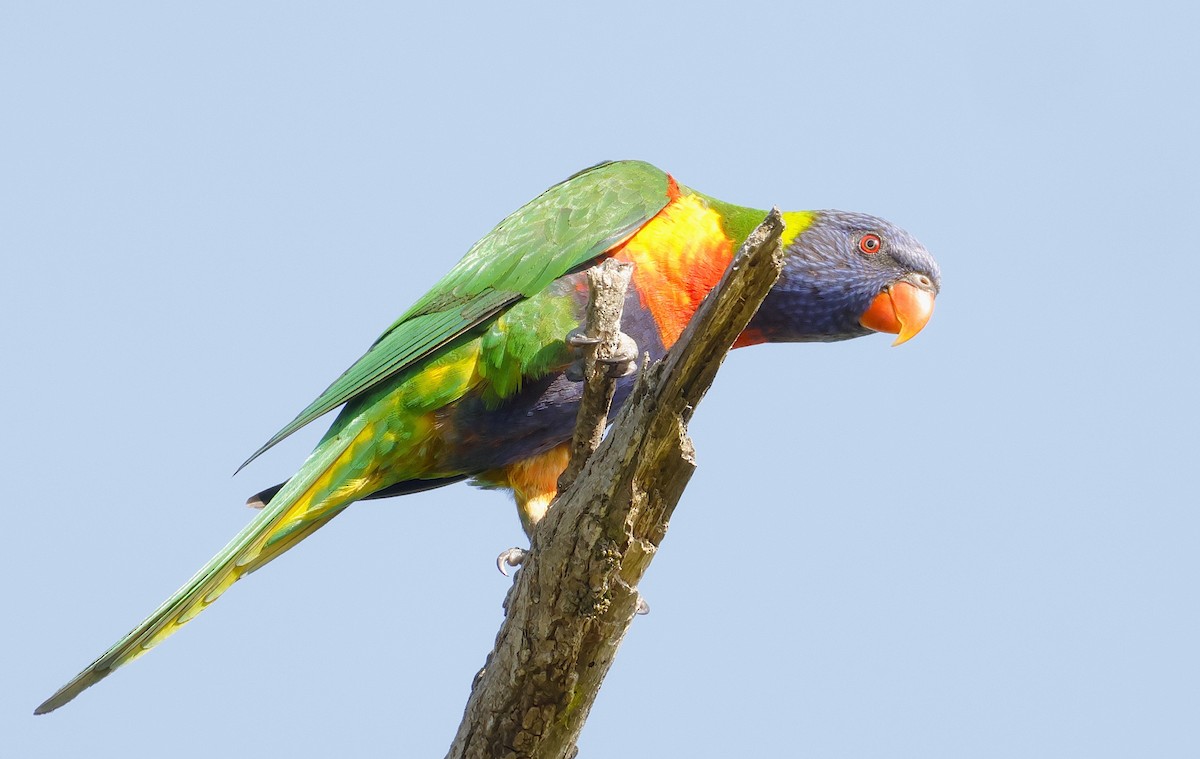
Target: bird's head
{"x": 846, "y": 275}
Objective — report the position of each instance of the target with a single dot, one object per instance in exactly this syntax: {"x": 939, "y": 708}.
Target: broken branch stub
{"x": 607, "y": 284}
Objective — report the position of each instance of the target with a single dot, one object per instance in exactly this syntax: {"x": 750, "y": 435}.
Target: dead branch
{"x": 576, "y": 594}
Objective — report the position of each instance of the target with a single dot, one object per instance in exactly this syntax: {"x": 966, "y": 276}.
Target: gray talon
{"x": 622, "y": 364}
{"x": 643, "y": 608}
{"x": 624, "y": 361}
{"x": 576, "y": 339}
{"x": 513, "y": 557}
{"x": 619, "y": 369}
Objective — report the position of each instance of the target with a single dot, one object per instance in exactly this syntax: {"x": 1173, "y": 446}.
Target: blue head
{"x": 847, "y": 275}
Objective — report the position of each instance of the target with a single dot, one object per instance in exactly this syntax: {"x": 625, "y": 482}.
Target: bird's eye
{"x": 870, "y": 244}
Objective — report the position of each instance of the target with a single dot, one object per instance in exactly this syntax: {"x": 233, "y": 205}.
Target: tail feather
{"x": 305, "y": 503}
{"x": 407, "y": 487}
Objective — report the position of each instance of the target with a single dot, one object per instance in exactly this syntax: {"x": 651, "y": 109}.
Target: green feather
{"x": 561, "y": 230}
{"x": 234, "y": 560}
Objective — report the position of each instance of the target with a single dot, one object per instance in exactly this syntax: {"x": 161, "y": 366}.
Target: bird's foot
{"x": 643, "y": 608}
{"x": 625, "y": 361}
{"x": 620, "y": 364}
{"x": 576, "y": 339}
{"x": 513, "y": 557}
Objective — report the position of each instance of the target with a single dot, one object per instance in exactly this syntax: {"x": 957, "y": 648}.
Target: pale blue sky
{"x": 983, "y": 543}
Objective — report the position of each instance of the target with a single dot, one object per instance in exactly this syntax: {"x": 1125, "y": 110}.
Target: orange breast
{"x": 678, "y": 257}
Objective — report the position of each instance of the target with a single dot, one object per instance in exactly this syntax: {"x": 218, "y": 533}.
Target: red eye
{"x": 870, "y": 244}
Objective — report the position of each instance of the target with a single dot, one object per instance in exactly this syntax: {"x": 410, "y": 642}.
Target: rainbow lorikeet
{"x": 473, "y": 380}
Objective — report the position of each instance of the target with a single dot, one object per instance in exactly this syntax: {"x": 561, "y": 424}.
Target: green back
{"x": 561, "y": 230}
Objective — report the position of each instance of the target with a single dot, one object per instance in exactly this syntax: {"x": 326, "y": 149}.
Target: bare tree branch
{"x": 575, "y": 596}
{"x": 607, "y": 284}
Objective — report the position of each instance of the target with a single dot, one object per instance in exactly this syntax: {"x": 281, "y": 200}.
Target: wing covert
{"x": 562, "y": 229}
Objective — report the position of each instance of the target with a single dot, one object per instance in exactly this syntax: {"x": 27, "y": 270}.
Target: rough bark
{"x": 576, "y": 594}
{"x": 607, "y": 284}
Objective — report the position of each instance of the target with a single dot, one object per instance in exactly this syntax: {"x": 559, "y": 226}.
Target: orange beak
{"x": 901, "y": 309}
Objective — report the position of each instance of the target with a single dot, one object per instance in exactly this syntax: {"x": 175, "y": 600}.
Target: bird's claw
{"x": 624, "y": 362}
{"x": 576, "y": 339}
{"x": 513, "y": 557}
{"x": 620, "y": 364}
{"x": 643, "y": 608}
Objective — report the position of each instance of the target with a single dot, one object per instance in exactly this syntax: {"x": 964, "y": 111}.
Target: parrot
{"x": 474, "y": 381}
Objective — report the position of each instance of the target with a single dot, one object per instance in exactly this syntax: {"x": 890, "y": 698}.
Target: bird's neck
{"x": 740, "y": 221}
{"x": 681, "y": 254}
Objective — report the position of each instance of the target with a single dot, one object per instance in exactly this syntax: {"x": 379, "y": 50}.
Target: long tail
{"x": 331, "y": 479}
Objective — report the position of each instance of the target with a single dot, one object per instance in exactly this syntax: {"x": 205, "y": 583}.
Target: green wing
{"x": 562, "y": 229}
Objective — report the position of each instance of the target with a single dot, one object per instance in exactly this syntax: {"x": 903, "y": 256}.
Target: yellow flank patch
{"x": 678, "y": 257}
{"x": 442, "y": 381}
